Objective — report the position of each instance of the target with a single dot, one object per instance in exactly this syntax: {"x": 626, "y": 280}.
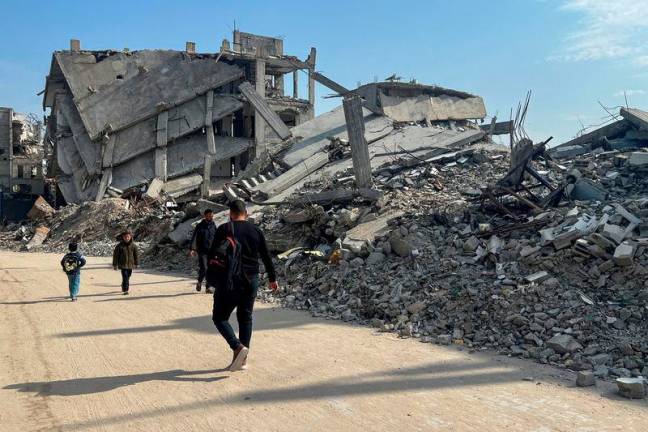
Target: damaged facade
{"x": 22, "y": 172}
{"x": 192, "y": 121}
{"x": 21, "y": 154}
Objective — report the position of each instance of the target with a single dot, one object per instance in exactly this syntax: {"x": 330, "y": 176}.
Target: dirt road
{"x": 152, "y": 361}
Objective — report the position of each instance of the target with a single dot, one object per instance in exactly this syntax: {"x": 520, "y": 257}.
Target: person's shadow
{"x": 81, "y": 386}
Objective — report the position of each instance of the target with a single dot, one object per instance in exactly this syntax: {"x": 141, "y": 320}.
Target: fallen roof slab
{"x": 315, "y": 133}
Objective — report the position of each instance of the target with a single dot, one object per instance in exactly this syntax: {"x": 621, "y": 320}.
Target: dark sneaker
{"x": 198, "y": 286}
{"x": 209, "y": 290}
{"x": 240, "y": 355}
{"x": 125, "y": 292}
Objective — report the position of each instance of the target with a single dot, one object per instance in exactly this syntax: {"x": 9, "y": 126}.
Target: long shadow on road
{"x": 430, "y": 377}
{"x": 264, "y": 319}
{"x": 82, "y": 386}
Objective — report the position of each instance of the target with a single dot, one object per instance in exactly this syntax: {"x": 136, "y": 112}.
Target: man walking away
{"x": 125, "y": 258}
{"x": 72, "y": 263}
{"x": 201, "y": 242}
{"x": 243, "y": 241}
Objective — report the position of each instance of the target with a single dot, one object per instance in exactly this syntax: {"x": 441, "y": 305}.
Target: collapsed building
{"x": 190, "y": 120}
{"x": 22, "y": 172}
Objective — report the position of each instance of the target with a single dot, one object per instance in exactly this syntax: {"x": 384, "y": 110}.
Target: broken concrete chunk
{"x": 632, "y": 388}
{"x": 638, "y": 159}
{"x": 182, "y": 233}
{"x": 400, "y": 246}
{"x": 624, "y": 254}
{"x": 154, "y": 188}
{"x": 563, "y": 344}
{"x": 38, "y": 238}
{"x": 40, "y": 210}
{"x": 587, "y": 190}
{"x": 537, "y": 277}
{"x": 569, "y": 151}
{"x": 585, "y": 379}
{"x": 614, "y": 232}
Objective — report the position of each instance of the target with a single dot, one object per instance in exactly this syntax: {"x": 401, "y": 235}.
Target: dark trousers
{"x": 126, "y": 274}
{"x": 242, "y": 298}
{"x": 202, "y": 267}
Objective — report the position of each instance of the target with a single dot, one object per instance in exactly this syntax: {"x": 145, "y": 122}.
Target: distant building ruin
{"x": 120, "y": 119}
{"x": 21, "y": 154}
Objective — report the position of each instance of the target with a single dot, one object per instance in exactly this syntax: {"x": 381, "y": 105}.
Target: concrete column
{"x": 75, "y": 45}
{"x": 296, "y": 84}
{"x": 259, "y": 123}
{"x": 311, "y": 89}
{"x": 356, "y": 131}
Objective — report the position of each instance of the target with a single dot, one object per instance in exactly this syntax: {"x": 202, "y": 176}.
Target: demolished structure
{"x": 395, "y": 209}
{"x": 187, "y": 120}
{"x": 22, "y": 172}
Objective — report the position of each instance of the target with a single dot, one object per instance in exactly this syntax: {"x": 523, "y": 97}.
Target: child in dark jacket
{"x": 125, "y": 258}
{"x": 72, "y": 263}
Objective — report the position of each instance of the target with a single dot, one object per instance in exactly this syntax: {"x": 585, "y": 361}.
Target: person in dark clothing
{"x": 126, "y": 258}
{"x": 201, "y": 242}
{"x": 71, "y": 264}
{"x": 244, "y": 290}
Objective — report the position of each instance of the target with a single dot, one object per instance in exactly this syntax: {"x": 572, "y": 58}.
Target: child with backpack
{"x": 72, "y": 263}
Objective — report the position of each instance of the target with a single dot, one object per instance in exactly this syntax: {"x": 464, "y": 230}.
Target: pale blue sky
{"x": 570, "y": 53}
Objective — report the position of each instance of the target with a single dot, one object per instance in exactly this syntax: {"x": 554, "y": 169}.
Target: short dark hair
{"x": 237, "y": 206}
{"x": 207, "y": 211}
{"x": 73, "y": 247}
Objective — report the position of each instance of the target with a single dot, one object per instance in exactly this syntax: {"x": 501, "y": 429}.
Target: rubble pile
{"x": 563, "y": 285}
{"x": 94, "y": 225}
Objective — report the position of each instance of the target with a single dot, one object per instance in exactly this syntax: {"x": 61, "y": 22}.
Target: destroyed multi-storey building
{"x": 21, "y": 154}
{"x": 121, "y": 119}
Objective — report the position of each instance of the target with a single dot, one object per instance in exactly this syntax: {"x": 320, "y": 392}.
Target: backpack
{"x": 70, "y": 263}
{"x": 226, "y": 262}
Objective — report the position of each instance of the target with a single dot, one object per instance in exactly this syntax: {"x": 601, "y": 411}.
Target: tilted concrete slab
{"x": 636, "y": 116}
{"x": 130, "y": 88}
{"x": 183, "y": 120}
{"x": 314, "y": 133}
{"x": 89, "y": 151}
{"x": 187, "y": 154}
{"x": 434, "y": 108}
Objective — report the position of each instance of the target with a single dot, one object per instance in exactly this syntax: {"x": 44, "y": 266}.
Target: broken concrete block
{"x": 565, "y": 239}
{"x": 587, "y": 190}
{"x": 624, "y": 254}
{"x": 562, "y": 344}
{"x": 38, "y": 238}
{"x": 375, "y": 258}
{"x": 569, "y": 151}
{"x": 638, "y": 159}
{"x": 627, "y": 215}
{"x": 614, "y": 232}
{"x": 585, "y": 379}
{"x": 416, "y": 307}
{"x": 471, "y": 244}
{"x": 40, "y": 210}
{"x": 367, "y": 232}
{"x": 182, "y": 232}
{"x": 632, "y": 388}
{"x": 400, "y": 246}
{"x": 154, "y": 188}
{"x": 537, "y": 277}
{"x": 181, "y": 184}
{"x": 529, "y": 250}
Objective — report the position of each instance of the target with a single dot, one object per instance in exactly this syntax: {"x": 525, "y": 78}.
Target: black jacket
{"x": 203, "y": 236}
{"x": 253, "y": 247}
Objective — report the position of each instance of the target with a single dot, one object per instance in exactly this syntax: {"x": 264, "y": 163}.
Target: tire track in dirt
{"x": 25, "y": 332}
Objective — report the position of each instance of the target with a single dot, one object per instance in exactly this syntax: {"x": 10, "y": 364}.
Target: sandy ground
{"x": 152, "y": 361}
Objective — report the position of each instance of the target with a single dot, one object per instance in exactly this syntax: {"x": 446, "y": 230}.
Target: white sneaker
{"x": 237, "y": 363}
